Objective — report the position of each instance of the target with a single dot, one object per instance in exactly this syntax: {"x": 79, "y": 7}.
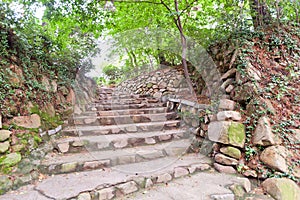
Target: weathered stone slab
{"x": 263, "y": 134}
{"x": 226, "y": 104}
{"x": 33, "y": 121}
{"x": 164, "y": 178}
{"x": 180, "y": 171}
{"x": 127, "y": 188}
{"x": 222, "y": 159}
{"x": 63, "y": 147}
{"x": 227, "y": 132}
{"x": 106, "y": 193}
{"x": 229, "y": 115}
{"x": 275, "y": 157}
{"x": 224, "y": 169}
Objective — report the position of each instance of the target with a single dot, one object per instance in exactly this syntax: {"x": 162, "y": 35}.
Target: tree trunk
{"x": 260, "y": 13}
{"x": 184, "y": 49}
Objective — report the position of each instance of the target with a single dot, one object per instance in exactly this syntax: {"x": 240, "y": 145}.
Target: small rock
{"x": 201, "y": 166}
{"x": 180, "y": 171}
{"x": 222, "y": 159}
{"x": 84, "y": 196}
{"x": 63, "y": 147}
{"x": 226, "y": 104}
{"x": 96, "y": 164}
{"x": 229, "y": 115}
{"x": 250, "y": 173}
{"x": 222, "y": 197}
{"x": 275, "y": 157}
{"x": 150, "y": 140}
{"x": 281, "y": 188}
{"x": 0, "y": 121}
{"x": 106, "y": 193}
{"x": 224, "y": 169}
{"x": 164, "y": 178}
{"x": 164, "y": 137}
{"x": 68, "y": 167}
{"x": 4, "y": 135}
{"x": 263, "y": 134}
{"x": 4, "y": 146}
{"x": 231, "y": 151}
{"x": 127, "y": 188}
{"x": 78, "y": 143}
{"x": 148, "y": 183}
{"x": 227, "y": 82}
{"x": 229, "y": 88}
{"x": 131, "y": 129}
{"x": 120, "y": 143}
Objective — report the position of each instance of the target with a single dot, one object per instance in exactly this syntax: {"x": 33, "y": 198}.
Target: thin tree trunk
{"x": 184, "y": 49}
{"x": 260, "y": 13}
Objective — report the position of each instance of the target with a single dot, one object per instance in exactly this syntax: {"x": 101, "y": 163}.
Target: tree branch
{"x": 188, "y": 6}
{"x": 132, "y": 1}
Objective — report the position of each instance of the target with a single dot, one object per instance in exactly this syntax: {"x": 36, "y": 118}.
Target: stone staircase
{"x": 115, "y": 130}
{"x": 119, "y": 145}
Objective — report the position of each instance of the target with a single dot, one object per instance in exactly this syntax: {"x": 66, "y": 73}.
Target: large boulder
{"x": 282, "y": 188}
{"x": 32, "y": 121}
{"x": 275, "y": 157}
{"x": 263, "y": 134}
{"x": 227, "y": 132}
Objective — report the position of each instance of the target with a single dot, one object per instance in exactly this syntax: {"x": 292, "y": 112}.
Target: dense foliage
{"x": 65, "y": 34}
{"x": 31, "y": 49}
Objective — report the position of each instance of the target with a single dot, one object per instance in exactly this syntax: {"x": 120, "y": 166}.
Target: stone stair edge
{"x": 83, "y": 157}
{"x": 96, "y": 127}
{"x": 138, "y": 181}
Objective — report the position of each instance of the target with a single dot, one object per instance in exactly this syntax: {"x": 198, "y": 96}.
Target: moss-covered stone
{"x": 236, "y": 134}
{"x": 232, "y": 152}
{"x": 5, "y": 183}
{"x": 69, "y": 167}
{"x": 237, "y": 190}
{"x": 282, "y": 188}
{"x": 11, "y": 159}
{"x": 149, "y": 85}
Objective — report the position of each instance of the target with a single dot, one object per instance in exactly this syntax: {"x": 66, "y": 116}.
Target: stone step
{"x": 125, "y": 101}
{"x": 133, "y": 111}
{"x": 114, "y": 182}
{"x": 106, "y": 142}
{"x": 66, "y": 163}
{"x": 120, "y": 128}
{"x": 124, "y": 112}
{"x": 121, "y": 96}
{"x": 125, "y": 106}
{"x": 121, "y": 119}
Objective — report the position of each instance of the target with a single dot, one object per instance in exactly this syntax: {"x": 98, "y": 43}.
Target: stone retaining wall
{"x": 157, "y": 84}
